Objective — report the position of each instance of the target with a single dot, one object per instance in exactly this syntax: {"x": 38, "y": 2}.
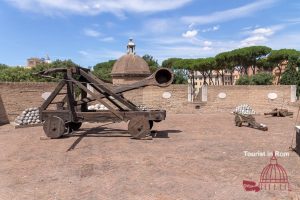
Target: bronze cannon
{"x": 279, "y": 113}
{"x": 72, "y": 109}
{"x": 249, "y": 120}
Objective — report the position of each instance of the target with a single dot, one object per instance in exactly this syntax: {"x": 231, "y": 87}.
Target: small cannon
{"x": 279, "y": 113}
{"x": 250, "y": 120}
{"x": 70, "y": 111}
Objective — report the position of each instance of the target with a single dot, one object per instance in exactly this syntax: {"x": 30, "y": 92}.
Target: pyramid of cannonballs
{"x": 244, "y": 109}
{"x": 97, "y": 107}
{"x": 102, "y": 107}
{"x": 29, "y": 116}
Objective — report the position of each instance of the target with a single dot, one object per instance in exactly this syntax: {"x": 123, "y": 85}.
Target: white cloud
{"x": 207, "y": 48}
{"x": 230, "y": 14}
{"x": 107, "y": 39}
{"x": 207, "y": 43}
{"x": 254, "y": 40}
{"x": 83, "y": 53}
{"x": 94, "y": 7}
{"x": 260, "y": 36}
{"x": 214, "y": 28}
{"x": 190, "y": 34}
{"x": 263, "y": 31}
{"x": 93, "y": 56}
{"x": 158, "y": 25}
{"x": 91, "y": 32}
{"x": 191, "y": 25}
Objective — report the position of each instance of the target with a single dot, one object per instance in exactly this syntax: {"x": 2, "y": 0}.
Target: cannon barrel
{"x": 271, "y": 113}
{"x": 162, "y": 77}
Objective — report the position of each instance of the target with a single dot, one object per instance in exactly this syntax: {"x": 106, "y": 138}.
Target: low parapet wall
{"x": 19, "y": 96}
{"x": 226, "y": 98}
{"x": 3, "y": 114}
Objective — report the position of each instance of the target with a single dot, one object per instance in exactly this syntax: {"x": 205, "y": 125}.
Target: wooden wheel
{"x": 54, "y": 127}
{"x": 139, "y": 127}
{"x": 238, "y": 121}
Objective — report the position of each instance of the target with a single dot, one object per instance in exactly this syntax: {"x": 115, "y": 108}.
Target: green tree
{"x": 248, "y": 56}
{"x": 103, "y": 70}
{"x": 3, "y": 66}
{"x": 15, "y": 74}
{"x": 262, "y": 79}
{"x": 186, "y": 66}
{"x": 180, "y": 77}
{"x": 277, "y": 57}
{"x": 152, "y": 63}
{"x": 225, "y": 62}
{"x": 55, "y": 64}
{"x": 257, "y": 79}
{"x": 170, "y": 62}
{"x": 291, "y": 76}
{"x": 244, "y": 80}
{"x": 180, "y": 74}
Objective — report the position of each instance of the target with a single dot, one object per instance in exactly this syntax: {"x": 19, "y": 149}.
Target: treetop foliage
{"x": 257, "y": 79}
{"x": 241, "y": 59}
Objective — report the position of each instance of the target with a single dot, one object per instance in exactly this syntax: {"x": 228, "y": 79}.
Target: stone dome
{"x": 130, "y": 65}
{"x": 129, "y": 68}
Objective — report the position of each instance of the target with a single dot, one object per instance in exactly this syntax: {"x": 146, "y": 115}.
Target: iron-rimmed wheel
{"x": 54, "y": 127}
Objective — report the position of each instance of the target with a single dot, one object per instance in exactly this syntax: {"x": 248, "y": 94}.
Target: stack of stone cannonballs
{"x": 244, "y": 109}
{"x": 97, "y": 107}
{"x": 102, "y": 107}
{"x": 142, "y": 107}
{"x": 29, "y": 116}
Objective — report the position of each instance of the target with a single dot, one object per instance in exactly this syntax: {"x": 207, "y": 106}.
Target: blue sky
{"x": 93, "y": 31}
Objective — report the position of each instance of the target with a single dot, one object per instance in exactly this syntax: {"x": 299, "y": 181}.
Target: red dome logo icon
{"x": 273, "y": 176}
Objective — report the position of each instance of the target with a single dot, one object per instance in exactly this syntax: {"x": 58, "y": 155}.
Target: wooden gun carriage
{"x": 250, "y": 120}
{"x": 279, "y": 113}
{"x": 71, "y": 111}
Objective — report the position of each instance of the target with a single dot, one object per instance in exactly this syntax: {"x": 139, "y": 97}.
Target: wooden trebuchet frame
{"x": 71, "y": 110}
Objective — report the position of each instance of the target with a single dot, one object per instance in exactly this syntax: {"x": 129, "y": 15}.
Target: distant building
{"x": 215, "y": 79}
{"x": 33, "y": 62}
{"x": 129, "y": 68}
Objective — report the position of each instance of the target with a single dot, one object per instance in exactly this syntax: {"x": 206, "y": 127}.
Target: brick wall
{"x": 255, "y": 96}
{"x": 3, "y": 114}
{"x": 19, "y": 96}
{"x": 152, "y": 97}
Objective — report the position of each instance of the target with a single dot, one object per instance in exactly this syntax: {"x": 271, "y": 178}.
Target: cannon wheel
{"x": 74, "y": 126}
{"x": 139, "y": 127}
{"x": 238, "y": 120}
{"x": 54, "y": 127}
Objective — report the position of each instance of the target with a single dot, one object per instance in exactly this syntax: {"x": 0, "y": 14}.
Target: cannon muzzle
{"x": 162, "y": 77}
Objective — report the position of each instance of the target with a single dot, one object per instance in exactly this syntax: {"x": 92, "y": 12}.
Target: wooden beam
{"x": 58, "y": 88}
{"x": 100, "y": 85}
{"x": 70, "y": 99}
{"x": 80, "y": 85}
